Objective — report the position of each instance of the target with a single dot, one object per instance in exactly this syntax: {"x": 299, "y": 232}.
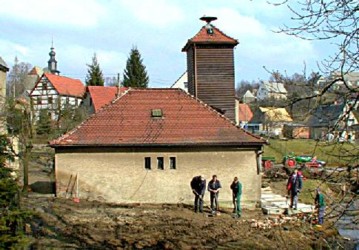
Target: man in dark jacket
{"x": 213, "y": 187}
{"x": 294, "y": 186}
{"x": 198, "y": 185}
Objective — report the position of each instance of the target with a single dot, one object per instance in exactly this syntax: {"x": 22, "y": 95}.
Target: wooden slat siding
{"x": 215, "y": 77}
{"x": 190, "y": 71}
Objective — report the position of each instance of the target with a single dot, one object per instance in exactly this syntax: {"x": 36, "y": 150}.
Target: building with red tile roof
{"x": 54, "y": 92}
{"x": 98, "y": 96}
{"x": 147, "y": 144}
{"x": 244, "y": 113}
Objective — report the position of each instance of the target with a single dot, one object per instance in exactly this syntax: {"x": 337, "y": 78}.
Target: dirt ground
{"x": 65, "y": 224}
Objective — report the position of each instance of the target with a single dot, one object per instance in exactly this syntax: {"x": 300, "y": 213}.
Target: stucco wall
{"x": 120, "y": 175}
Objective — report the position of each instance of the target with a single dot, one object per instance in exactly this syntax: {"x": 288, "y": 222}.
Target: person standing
{"x": 236, "y": 187}
{"x": 213, "y": 187}
{"x": 294, "y": 186}
{"x": 198, "y": 185}
{"x": 320, "y": 206}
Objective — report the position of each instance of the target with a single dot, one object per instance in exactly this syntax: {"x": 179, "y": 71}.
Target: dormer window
{"x": 156, "y": 113}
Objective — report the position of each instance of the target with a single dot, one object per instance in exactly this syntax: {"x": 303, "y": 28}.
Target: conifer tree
{"x": 44, "y": 123}
{"x": 94, "y": 73}
{"x": 12, "y": 217}
{"x": 135, "y": 74}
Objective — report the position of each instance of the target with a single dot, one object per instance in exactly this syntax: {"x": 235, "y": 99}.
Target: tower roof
{"x": 215, "y": 36}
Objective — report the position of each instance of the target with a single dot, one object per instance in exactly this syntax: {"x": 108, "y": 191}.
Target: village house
{"x": 333, "y": 120}
{"x": 269, "y": 121}
{"x": 181, "y": 82}
{"x": 351, "y": 79}
{"x": 274, "y": 90}
{"x": 147, "y": 144}
{"x": 244, "y": 114}
{"x": 54, "y": 93}
{"x": 248, "y": 97}
{"x": 98, "y": 96}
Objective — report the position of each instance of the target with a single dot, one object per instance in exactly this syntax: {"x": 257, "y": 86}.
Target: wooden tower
{"x": 210, "y": 68}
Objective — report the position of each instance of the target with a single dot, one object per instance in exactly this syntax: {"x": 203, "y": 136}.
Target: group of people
{"x": 294, "y": 187}
{"x": 198, "y": 185}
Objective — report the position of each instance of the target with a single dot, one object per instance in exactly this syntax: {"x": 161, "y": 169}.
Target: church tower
{"x": 210, "y": 68}
{"x": 52, "y": 63}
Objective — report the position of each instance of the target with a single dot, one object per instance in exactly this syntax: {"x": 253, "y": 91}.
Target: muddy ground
{"x": 66, "y": 224}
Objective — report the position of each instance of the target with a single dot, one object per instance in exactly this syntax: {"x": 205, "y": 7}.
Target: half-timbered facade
{"x": 54, "y": 92}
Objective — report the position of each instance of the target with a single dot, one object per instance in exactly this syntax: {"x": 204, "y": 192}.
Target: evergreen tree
{"x": 135, "y": 74}
{"x": 44, "y": 123}
{"x": 94, "y": 73}
{"x": 12, "y": 217}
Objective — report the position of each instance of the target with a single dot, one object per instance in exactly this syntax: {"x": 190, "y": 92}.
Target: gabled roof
{"x": 248, "y": 94}
{"x": 64, "y": 85}
{"x": 101, "y": 95}
{"x": 202, "y": 37}
{"x": 244, "y": 112}
{"x": 36, "y": 70}
{"x": 276, "y": 114}
{"x": 274, "y": 87}
{"x": 3, "y": 65}
{"x": 325, "y": 115}
{"x": 157, "y": 117}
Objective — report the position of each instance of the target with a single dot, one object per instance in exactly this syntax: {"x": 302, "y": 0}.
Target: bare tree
{"x": 336, "y": 22}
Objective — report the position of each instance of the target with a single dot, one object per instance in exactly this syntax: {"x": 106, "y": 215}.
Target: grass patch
{"x": 335, "y": 154}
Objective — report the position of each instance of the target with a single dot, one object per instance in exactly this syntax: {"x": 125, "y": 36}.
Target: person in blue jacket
{"x": 198, "y": 185}
{"x": 214, "y": 186}
{"x": 294, "y": 186}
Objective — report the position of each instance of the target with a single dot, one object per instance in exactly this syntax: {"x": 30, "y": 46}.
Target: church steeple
{"x": 52, "y": 63}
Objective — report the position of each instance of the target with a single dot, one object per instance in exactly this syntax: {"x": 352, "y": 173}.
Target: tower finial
{"x": 209, "y": 26}
{"x": 208, "y": 19}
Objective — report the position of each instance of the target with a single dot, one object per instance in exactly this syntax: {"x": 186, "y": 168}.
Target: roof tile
{"x": 218, "y": 37}
{"x": 101, "y": 95}
{"x": 66, "y": 86}
{"x": 127, "y": 121}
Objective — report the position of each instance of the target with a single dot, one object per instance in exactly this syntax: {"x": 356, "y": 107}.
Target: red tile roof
{"x": 64, "y": 85}
{"x": 101, "y": 95}
{"x": 244, "y": 112}
{"x": 202, "y": 37}
{"x": 127, "y": 121}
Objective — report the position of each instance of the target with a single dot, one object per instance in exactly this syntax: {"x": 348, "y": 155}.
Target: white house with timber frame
{"x": 54, "y": 92}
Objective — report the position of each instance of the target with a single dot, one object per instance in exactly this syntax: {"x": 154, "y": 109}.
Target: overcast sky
{"x": 159, "y": 29}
